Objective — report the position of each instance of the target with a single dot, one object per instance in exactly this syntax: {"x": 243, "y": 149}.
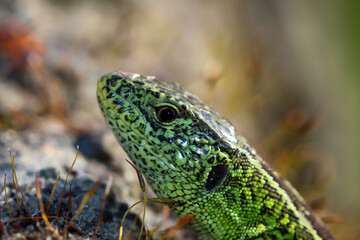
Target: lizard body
{"x": 190, "y": 154}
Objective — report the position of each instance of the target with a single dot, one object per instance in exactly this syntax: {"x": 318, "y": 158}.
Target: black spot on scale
{"x": 112, "y": 80}
{"x": 98, "y": 99}
{"x": 146, "y": 151}
{"x": 121, "y": 110}
{"x": 285, "y": 231}
{"x": 302, "y": 233}
{"x": 121, "y": 139}
{"x": 273, "y": 194}
{"x": 106, "y": 88}
{"x": 136, "y": 147}
{"x": 118, "y": 90}
{"x": 243, "y": 156}
{"x": 169, "y": 152}
{"x": 138, "y": 82}
{"x": 136, "y": 102}
{"x": 139, "y": 95}
{"x": 185, "y": 167}
{"x": 162, "y": 138}
{"x": 118, "y": 101}
{"x": 292, "y": 215}
{"x": 156, "y": 94}
{"x": 202, "y": 170}
{"x": 243, "y": 198}
{"x": 110, "y": 95}
{"x": 153, "y": 161}
{"x": 137, "y": 156}
{"x": 110, "y": 123}
{"x": 211, "y": 159}
{"x": 130, "y": 118}
{"x": 230, "y": 196}
{"x": 236, "y": 166}
{"x": 144, "y": 161}
{"x": 265, "y": 210}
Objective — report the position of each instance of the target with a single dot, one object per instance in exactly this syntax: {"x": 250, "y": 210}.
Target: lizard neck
{"x": 252, "y": 201}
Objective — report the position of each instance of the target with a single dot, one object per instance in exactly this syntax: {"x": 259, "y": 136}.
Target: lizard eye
{"x": 166, "y": 113}
{"x": 216, "y": 176}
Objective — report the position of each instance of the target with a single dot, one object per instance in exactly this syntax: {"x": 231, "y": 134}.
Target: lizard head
{"x": 182, "y": 146}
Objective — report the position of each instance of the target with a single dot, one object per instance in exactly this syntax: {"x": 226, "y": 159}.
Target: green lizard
{"x": 190, "y": 154}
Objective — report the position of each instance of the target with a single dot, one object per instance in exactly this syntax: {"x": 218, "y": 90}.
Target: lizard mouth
{"x": 113, "y": 96}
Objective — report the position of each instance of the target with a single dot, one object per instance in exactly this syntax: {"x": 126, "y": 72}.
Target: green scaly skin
{"x": 196, "y": 160}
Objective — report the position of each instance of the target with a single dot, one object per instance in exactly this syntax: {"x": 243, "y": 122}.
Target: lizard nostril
{"x": 112, "y": 82}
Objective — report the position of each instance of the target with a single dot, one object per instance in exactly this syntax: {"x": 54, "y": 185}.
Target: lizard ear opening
{"x": 216, "y": 176}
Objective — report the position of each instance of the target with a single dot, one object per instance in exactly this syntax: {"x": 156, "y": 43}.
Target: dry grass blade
{"x": 12, "y": 159}
{"x": 142, "y": 185}
{"x": 14, "y": 184}
{"x": 139, "y": 174}
{"x": 158, "y": 200}
{"x": 16, "y": 194}
{"x": 6, "y": 199}
{"x": 69, "y": 204}
{"x": 37, "y": 224}
{"x": 69, "y": 208}
{"x": 86, "y": 198}
{"x": 102, "y": 207}
{"x": 41, "y": 204}
{"x": 123, "y": 219}
{"x": 48, "y": 217}
{"x": 143, "y": 219}
{"x": 72, "y": 165}
{"x": 128, "y": 234}
{"x": 52, "y": 192}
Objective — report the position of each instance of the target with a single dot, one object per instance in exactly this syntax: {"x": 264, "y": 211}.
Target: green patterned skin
{"x": 190, "y": 154}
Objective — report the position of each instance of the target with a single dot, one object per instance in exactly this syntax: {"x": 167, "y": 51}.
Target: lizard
{"x": 190, "y": 154}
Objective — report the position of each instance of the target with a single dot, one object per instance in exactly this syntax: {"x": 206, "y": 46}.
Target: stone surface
{"x": 51, "y": 155}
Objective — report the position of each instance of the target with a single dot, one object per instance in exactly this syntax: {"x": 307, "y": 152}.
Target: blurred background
{"x": 285, "y": 73}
